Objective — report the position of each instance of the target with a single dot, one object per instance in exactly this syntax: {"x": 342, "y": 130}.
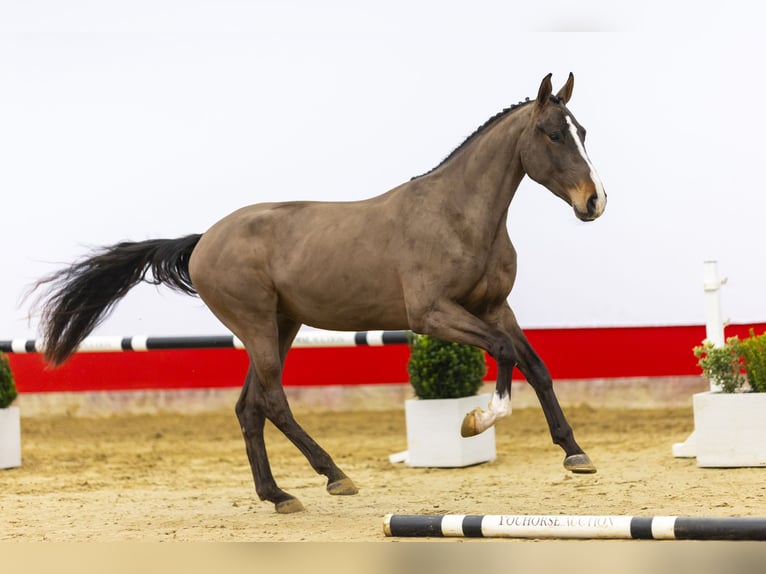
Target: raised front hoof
{"x": 468, "y": 428}
{"x": 342, "y": 487}
{"x": 289, "y": 506}
{"x": 579, "y": 464}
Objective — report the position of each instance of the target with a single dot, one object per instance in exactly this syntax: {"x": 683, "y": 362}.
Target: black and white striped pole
{"x": 305, "y": 339}
{"x": 575, "y": 527}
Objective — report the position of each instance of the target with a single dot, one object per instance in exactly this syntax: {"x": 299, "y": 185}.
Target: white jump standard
{"x": 583, "y": 527}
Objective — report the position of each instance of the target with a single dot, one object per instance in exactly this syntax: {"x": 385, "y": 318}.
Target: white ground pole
{"x": 713, "y": 333}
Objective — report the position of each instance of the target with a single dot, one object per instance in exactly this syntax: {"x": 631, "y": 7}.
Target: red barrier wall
{"x": 568, "y": 353}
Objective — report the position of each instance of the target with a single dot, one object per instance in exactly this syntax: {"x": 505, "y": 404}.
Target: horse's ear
{"x": 565, "y": 93}
{"x": 544, "y": 93}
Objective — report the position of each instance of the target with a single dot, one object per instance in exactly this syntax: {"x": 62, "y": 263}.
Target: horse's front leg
{"x": 451, "y": 322}
{"x": 538, "y": 376}
{"x": 479, "y": 420}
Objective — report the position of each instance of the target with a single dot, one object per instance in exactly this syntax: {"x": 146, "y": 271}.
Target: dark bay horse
{"x": 431, "y": 255}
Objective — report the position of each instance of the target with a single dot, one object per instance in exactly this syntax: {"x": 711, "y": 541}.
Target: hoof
{"x": 344, "y": 486}
{"x": 579, "y": 464}
{"x": 468, "y": 428}
{"x": 289, "y": 506}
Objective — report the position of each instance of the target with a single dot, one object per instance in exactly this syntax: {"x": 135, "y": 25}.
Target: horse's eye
{"x": 554, "y": 137}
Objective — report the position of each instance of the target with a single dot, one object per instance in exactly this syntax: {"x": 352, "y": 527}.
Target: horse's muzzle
{"x": 594, "y": 207}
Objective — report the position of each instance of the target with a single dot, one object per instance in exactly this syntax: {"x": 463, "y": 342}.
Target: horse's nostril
{"x": 592, "y": 204}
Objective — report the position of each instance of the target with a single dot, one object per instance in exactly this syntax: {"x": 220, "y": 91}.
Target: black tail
{"x": 78, "y": 298}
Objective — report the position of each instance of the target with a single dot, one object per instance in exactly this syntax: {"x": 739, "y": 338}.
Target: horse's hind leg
{"x": 337, "y": 482}
{"x": 252, "y": 419}
{"x": 264, "y": 397}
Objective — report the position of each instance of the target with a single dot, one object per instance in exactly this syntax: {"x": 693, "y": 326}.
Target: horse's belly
{"x": 349, "y": 311}
{"x": 345, "y": 302}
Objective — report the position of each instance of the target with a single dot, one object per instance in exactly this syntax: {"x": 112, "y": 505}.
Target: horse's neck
{"x": 481, "y": 180}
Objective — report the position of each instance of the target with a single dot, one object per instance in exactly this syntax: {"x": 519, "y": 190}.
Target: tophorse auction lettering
{"x": 557, "y": 521}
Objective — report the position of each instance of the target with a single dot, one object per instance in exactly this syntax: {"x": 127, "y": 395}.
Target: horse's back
{"x": 327, "y": 264}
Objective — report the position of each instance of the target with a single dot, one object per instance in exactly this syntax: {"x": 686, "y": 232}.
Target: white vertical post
{"x": 713, "y": 320}
{"x": 714, "y": 334}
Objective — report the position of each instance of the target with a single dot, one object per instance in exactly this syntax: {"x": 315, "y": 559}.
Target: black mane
{"x": 481, "y": 129}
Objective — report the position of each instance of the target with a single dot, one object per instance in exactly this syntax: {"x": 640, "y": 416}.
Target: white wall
{"x": 133, "y": 120}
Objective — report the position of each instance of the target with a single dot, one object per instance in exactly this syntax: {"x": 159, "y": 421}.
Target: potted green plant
{"x": 445, "y": 378}
{"x": 728, "y": 421}
{"x": 10, "y": 425}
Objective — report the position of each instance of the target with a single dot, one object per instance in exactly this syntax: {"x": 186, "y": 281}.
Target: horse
{"x": 431, "y": 255}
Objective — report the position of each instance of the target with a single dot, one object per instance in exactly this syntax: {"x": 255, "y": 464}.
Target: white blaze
{"x": 601, "y": 204}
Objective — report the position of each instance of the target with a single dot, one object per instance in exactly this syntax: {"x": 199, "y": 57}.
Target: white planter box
{"x": 433, "y": 433}
{"x": 730, "y": 429}
{"x": 10, "y": 437}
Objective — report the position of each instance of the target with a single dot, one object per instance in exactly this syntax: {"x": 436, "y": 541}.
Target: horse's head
{"x": 553, "y": 152}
